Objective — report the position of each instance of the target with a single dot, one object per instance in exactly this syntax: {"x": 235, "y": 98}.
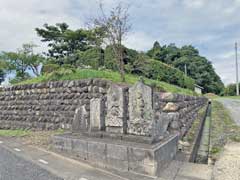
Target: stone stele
{"x": 116, "y": 120}
{"x": 97, "y": 120}
{"x": 80, "y": 120}
{"x": 140, "y": 110}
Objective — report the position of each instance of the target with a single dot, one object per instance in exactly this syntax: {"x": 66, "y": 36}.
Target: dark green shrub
{"x": 129, "y": 55}
{"x": 110, "y": 61}
{"x": 49, "y": 68}
{"x": 58, "y": 74}
{"x": 160, "y": 71}
{"x": 92, "y": 57}
{"x": 20, "y": 77}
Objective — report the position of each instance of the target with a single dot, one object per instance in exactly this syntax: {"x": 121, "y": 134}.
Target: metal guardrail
{"x": 198, "y": 138}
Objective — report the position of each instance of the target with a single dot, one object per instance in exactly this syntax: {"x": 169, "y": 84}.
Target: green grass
{"x": 223, "y": 128}
{"x": 109, "y": 75}
{"x": 191, "y": 135}
{"x": 14, "y": 133}
{"x": 231, "y": 97}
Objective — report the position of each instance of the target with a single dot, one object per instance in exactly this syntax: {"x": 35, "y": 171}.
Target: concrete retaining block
{"x": 146, "y": 159}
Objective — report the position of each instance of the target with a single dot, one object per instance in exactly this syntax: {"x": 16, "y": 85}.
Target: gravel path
{"x": 15, "y": 168}
{"x": 233, "y": 106}
{"x": 228, "y": 166}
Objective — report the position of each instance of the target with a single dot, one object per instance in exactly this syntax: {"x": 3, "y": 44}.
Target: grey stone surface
{"x": 48, "y": 105}
{"x": 80, "y": 120}
{"x": 114, "y": 126}
{"x": 116, "y": 120}
{"x": 121, "y": 155}
{"x": 174, "y": 112}
{"x": 140, "y": 110}
{"x": 71, "y": 104}
{"x": 79, "y": 148}
{"x": 97, "y": 114}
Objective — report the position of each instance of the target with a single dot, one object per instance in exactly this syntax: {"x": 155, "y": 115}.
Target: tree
{"x": 22, "y": 60}
{"x": 3, "y": 69}
{"x": 110, "y": 60}
{"x": 198, "y": 67}
{"x": 2, "y": 75}
{"x": 116, "y": 27}
{"x": 63, "y": 42}
{"x": 167, "y": 54}
{"x": 230, "y": 90}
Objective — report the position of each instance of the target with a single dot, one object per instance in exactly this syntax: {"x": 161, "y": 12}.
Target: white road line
{"x": 1, "y": 142}
{"x": 18, "y": 150}
{"x": 43, "y": 161}
{"x": 83, "y": 179}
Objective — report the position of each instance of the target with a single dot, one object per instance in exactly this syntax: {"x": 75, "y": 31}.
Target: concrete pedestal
{"x": 119, "y": 155}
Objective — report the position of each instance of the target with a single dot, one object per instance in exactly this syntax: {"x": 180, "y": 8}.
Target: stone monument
{"x": 122, "y": 132}
{"x": 80, "y": 120}
{"x": 140, "y": 110}
{"x": 116, "y": 120}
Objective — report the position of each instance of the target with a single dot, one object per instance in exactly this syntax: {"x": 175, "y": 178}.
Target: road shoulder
{"x": 228, "y": 166}
{"x": 58, "y": 165}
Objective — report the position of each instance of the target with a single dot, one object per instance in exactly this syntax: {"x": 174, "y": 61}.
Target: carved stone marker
{"x": 140, "y": 110}
{"x": 97, "y": 121}
{"x": 80, "y": 120}
{"x": 116, "y": 120}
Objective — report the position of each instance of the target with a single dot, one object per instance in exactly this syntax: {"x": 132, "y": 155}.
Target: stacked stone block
{"x": 123, "y": 128}
{"x": 98, "y": 105}
{"x": 175, "y": 113}
{"x": 49, "y": 105}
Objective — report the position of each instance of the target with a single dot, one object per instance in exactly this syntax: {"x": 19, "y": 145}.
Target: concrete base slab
{"x": 125, "y": 156}
{"x": 193, "y": 171}
{"x": 178, "y": 170}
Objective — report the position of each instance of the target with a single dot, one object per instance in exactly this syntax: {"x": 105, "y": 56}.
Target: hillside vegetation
{"x": 82, "y": 48}
{"x": 188, "y": 58}
{"x": 74, "y": 74}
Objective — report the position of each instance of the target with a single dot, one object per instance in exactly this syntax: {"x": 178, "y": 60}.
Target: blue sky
{"x": 210, "y": 25}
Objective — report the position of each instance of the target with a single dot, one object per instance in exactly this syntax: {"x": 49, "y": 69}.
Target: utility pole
{"x": 185, "y": 68}
{"x": 237, "y": 84}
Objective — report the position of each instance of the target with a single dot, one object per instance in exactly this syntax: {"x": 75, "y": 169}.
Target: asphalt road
{"x": 16, "y": 168}
{"x": 233, "y": 106}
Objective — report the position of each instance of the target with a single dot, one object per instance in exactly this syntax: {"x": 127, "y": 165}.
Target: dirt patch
{"x": 223, "y": 129}
{"x": 40, "y": 138}
{"x": 228, "y": 166}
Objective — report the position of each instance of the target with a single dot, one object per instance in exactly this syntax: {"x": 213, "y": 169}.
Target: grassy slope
{"x": 231, "y": 97}
{"x": 14, "y": 133}
{"x": 223, "y": 128}
{"x": 191, "y": 135}
{"x": 109, "y": 75}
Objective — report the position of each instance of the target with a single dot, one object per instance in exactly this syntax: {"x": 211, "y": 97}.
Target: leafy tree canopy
{"x": 230, "y": 90}
{"x": 22, "y": 61}
{"x": 3, "y": 69}
{"x": 2, "y": 75}
{"x": 198, "y": 67}
{"x": 64, "y": 42}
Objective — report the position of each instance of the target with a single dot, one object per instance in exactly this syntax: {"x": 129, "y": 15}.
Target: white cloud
{"x": 18, "y": 20}
{"x": 194, "y": 3}
{"x": 139, "y": 41}
{"x": 212, "y": 26}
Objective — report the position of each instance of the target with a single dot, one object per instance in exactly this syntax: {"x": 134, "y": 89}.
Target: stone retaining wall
{"x": 176, "y": 112}
{"x": 47, "y": 105}
{"x": 96, "y": 104}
